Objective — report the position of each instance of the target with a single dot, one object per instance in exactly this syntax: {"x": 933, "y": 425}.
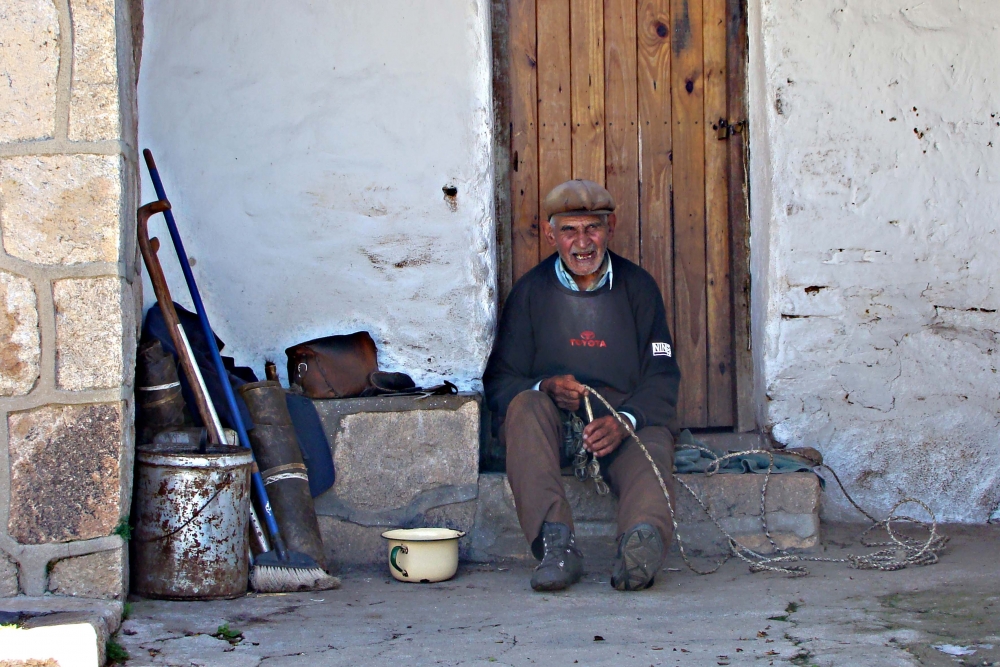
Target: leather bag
{"x": 334, "y": 366}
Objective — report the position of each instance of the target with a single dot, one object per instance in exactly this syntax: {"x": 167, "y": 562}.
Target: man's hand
{"x": 564, "y": 390}
{"x": 603, "y": 435}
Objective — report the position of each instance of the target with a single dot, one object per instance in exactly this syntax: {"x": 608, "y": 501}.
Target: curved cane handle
{"x": 392, "y": 558}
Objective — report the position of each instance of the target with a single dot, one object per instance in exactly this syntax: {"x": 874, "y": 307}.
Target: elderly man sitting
{"x": 585, "y": 316}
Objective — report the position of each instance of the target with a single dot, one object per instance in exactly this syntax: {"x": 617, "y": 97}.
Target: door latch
{"x": 725, "y": 129}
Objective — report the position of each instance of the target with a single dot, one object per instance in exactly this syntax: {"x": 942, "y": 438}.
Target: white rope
{"x": 899, "y": 552}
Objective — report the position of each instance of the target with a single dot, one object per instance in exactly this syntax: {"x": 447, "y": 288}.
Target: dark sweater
{"x": 614, "y": 337}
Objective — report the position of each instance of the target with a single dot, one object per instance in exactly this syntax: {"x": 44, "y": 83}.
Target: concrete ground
{"x": 488, "y": 615}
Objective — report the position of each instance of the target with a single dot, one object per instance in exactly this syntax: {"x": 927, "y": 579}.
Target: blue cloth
{"x": 315, "y": 449}
{"x": 690, "y": 460}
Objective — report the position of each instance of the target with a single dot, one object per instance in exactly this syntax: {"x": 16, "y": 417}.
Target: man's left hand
{"x": 603, "y": 435}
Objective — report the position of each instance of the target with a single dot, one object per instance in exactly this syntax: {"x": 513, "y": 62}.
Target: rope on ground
{"x": 897, "y": 553}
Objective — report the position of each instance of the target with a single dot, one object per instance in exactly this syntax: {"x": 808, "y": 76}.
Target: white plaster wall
{"x": 304, "y": 146}
{"x": 876, "y": 255}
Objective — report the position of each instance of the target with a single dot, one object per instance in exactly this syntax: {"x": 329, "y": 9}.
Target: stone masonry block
{"x": 20, "y": 350}
{"x": 734, "y": 495}
{"x": 8, "y": 577}
{"x": 401, "y": 462}
{"x": 59, "y": 631}
{"x": 98, "y": 575}
{"x": 93, "y": 114}
{"x": 347, "y": 544}
{"x": 61, "y": 209}
{"x": 64, "y": 472}
{"x": 29, "y": 65}
{"x": 385, "y": 459}
{"x": 89, "y": 332}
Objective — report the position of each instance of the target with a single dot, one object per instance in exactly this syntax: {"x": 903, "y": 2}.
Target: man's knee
{"x": 659, "y": 436}
{"x": 530, "y": 413}
{"x": 531, "y": 403}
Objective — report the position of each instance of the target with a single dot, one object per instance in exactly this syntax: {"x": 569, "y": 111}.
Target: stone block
{"x": 790, "y": 532}
{"x": 737, "y": 495}
{"x": 70, "y": 644}
{"x": 20, "y": 351}
{"x": 8, "y": 577}
{"x": 496, "y": 532}
{"x": 347, "y": 544}
{"x": 386, "y": 459}
{"x": 58, "y": 631}
{"x": 97, "y": 575}
{"x": 401, "y": 462}
{"x": 460, "y": 516}
{"x": 62, "y": 632}
{"x": 29, "y": 65}
{"x": 61, "y": 209}
{"x": 64, "y": 472}
{"x": 93, "y": 113}
{"x": 90, "y": 316}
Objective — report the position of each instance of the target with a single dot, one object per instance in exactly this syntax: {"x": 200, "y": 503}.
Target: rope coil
{"x": 897, "y": 553}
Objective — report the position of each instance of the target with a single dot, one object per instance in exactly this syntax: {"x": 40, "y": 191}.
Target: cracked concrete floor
{"x": 488, "y": 615}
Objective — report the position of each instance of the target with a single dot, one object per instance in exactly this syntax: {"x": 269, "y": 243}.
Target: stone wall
{"x": 875, "y": 131}
{"x": 68, "y": 293}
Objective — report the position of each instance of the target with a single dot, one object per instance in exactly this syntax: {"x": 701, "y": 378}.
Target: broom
{"x": 278, "y": 570}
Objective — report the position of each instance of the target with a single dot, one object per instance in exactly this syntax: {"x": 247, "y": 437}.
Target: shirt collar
{"x": 566, "y": 280}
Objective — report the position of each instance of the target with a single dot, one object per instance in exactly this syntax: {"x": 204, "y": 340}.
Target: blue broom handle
{"x": 258, "y": 483}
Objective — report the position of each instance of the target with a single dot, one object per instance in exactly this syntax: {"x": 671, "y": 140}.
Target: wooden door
{"x": 643, "y": 96}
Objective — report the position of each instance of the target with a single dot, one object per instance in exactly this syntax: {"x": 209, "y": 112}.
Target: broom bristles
{"x": 271, "y": 579}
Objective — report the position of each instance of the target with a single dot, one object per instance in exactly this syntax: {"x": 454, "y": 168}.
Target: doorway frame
{"x": 737, "y": 61}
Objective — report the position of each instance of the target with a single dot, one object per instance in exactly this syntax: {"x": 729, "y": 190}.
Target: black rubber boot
{"x": 640, "y": 556}
{"x": 562, "y": 562}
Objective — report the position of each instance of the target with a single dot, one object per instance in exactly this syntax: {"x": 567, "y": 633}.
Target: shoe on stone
{"x": 562, "y": 561}
{"x": 640, "y": 556}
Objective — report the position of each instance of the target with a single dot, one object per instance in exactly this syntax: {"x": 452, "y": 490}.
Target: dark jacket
{"x": 615, "y": 337}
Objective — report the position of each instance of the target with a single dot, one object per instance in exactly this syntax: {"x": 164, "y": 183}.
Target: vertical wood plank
{"x": 621, "y": 141}
{"x": 689, "y": 210}
{"x": 718, "y": 288}
{"x": 501, "y": 146}
{"x": 524, "y": 137}
{"x": 739, "y": 214}
{"x": 587, "y": 71}
{"x": 555, "y": 115}
{"x": 655, "y": 142}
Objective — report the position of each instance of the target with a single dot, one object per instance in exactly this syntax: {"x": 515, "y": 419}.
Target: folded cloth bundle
{"x": 688, "y": 459}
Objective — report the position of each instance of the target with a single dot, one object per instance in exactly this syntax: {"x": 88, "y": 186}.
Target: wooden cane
{"x": 148, "y": 247}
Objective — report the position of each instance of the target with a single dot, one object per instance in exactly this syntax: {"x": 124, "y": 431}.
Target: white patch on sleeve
{"x": 662, "y": 350}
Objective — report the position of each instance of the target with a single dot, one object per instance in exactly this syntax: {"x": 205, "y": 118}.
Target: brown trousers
{"x": 532, "y": 432}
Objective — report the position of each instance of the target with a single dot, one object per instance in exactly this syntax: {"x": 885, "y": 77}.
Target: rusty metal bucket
{"x": 191, "y": 522}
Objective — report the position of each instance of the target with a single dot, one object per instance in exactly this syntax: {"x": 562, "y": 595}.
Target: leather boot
{"x": 640, "y": 556}
{"x": 562, "y": 562}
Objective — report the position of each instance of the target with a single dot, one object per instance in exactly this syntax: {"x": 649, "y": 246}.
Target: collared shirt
{"x": 566, "y": 280}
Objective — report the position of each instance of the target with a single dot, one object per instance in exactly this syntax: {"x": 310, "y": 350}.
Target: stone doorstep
{"x": 69, "y": 632}
{"x": 493, "y": 532}
{"x": 408, "y": 462}
{"x": 791, "y": 511}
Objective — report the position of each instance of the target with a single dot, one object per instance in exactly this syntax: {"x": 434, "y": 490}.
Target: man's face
{"x": 581, "y": 240}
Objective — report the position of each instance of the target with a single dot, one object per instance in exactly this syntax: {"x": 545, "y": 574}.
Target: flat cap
{"x": 577, "y": 197}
